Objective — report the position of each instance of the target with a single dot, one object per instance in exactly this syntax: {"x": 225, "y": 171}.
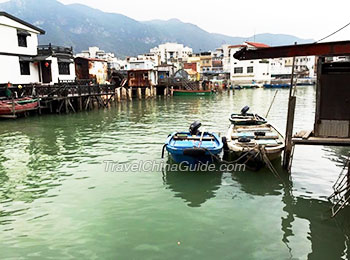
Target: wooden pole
{"x": 290, "y": 123}
{"x": 66, "y": 105}
{"x": 130, "y": 93}
{"x": 118, "y": 94}
{"x": 13, "y": 107}
{"x": 139, "y": 93}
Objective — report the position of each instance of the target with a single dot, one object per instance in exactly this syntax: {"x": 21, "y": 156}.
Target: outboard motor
{"x": 194, "y": 127}
{"x": 244, "y": 110}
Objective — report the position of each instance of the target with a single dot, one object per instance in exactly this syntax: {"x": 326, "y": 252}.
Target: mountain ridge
{"x": 81, "y": 26}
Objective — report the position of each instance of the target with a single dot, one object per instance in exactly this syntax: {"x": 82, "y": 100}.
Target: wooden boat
{"x": 193, "y": 147}
{"x": 252, "y": 140}
{"x": 16, "y": 106}
{"x": 178, "y": 92}
{"x": 245, "y": 118}
{"x": 276, "y": 85}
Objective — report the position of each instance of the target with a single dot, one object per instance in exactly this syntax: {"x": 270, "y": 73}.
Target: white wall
{"x": 55, "y": 72}
{"x": 178, "y": 50}
{"x": 9, "y": 39}
{"x": 261, "y": 70}
{"x": 10, "y": 71}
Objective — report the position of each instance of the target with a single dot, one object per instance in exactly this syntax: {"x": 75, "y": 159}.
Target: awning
{"x": 65, "y": 60}
{"x": 40, "y": 57}
{"x": 26, "y": 58}
{"x": 32, "y": 59}
{"x": 23, "y": 32}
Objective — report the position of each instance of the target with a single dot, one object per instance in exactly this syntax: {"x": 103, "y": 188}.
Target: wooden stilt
{"x": 80, "y": 100}
{"x": 139, "y": 93}
{"x": 124, "y": 93}
{"x": 130, "y": 93}
{"x": 71, "y": 105}
{"x": 148, "y": 93}
{"x": 66, "y": 105}
{"x": 118, "y": 94}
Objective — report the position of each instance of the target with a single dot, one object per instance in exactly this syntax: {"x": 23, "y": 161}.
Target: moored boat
{"x": 193, "y": 147}
{"x": 16, "y": 106}
{"x": 252, "y": 140}
{"x": 178, "y": 92}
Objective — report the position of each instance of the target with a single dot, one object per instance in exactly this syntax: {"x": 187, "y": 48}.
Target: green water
{"x": 58, "y": 202}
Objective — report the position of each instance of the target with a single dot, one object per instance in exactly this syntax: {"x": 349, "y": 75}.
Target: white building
{"x": 18, "y": 47}
{"x": 304, "y": 66}
{"x": 169, "y": 52}
{"x": 144, "y": 62}
{"x": 97, "y": 53}
{"x": 22, "y": 61}
{"x": 56, "y": 64}
{"x": 249, "y": 71}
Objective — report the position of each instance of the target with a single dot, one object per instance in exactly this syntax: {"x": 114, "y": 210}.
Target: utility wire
{"x": 334, "y": 33}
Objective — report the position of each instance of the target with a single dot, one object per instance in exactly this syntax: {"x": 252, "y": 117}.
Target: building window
{"x": 238, "y": 70}
{"x": 63, "y": 68}
{"x": 24, "y": 66}
{"x": 22, "y": 40}
{"x": 250, "y": 69}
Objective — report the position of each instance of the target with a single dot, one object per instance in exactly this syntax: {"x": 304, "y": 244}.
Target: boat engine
{"x": 194, "y": 127}
{"x": 244, "y": 110}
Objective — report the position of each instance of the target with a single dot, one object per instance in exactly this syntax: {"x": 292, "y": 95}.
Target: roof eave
{"x": 41, "y": 31}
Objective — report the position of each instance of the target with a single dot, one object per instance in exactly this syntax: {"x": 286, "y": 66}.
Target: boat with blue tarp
{"x": 193, "y": 146}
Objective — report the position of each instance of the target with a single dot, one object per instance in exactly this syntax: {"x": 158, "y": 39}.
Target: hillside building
{"x": 171, "y": 52}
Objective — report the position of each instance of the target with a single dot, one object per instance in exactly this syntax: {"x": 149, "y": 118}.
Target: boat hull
{"x": 194, "y": 151}
{"x": 9, "y": 107}
{"x": 244, "y": 143}
{"x": 193, "y": 92}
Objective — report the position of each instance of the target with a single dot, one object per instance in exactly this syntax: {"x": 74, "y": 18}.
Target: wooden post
{"x": 165, "y": 92}
{"x": 13, "y": 107}
{"x": 147, "y": 93}
{"x": 290, "y": 123}
{"x": 139, "y": 93}
{"x": 66, "y": 105}
{"x": 118, "y": 94}
{"x": 130, "y": 93}
{"x": 80, "y": 103}
{"x": 348, "y": 180}
{"x": 123, "y": 93}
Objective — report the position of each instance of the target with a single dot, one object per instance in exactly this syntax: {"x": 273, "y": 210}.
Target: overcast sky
{"x": 302, "y": 18}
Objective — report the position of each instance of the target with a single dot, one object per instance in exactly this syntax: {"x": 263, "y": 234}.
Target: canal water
{"x": 58, "y": 201}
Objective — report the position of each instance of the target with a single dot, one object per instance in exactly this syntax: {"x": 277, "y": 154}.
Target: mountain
{"x": 81, "y": 26}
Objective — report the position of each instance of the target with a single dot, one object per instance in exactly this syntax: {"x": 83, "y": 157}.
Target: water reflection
{"x": 195, "y": 188}
{"x": 328, "y": 237}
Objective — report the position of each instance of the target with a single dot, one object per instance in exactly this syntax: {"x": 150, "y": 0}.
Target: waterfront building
{"x": 205, "y": 62}
{"x": 56, "y": 64}
{"x": 305, "y": 67}
{"x": 18, "y": 50}
{"x": 97, "y": 53}
{"x": 91, "y": 69}
{"x": 24, "y": 62}
{"x": 171, "y": 52}
{"x": 249, "y": 71}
